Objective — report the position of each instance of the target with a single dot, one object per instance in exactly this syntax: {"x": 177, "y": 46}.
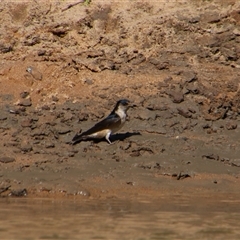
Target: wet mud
{"x": 63, "y": 69}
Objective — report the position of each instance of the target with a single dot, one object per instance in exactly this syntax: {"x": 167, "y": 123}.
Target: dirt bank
{"x": 63, "y": 68}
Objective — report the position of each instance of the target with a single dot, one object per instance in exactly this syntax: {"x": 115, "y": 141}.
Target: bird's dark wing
{"x": 113, "y": 120}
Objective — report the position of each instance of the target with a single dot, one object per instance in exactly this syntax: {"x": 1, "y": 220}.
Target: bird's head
{"x": 123, "y": 105}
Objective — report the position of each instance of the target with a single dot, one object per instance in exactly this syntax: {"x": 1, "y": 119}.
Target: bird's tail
{"x": 78, "y": 137}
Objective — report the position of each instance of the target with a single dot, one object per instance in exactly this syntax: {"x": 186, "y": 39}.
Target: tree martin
{"x": 108, "y": 125}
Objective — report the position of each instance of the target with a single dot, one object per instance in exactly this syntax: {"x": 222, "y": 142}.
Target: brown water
{"x": 175, "y": 218}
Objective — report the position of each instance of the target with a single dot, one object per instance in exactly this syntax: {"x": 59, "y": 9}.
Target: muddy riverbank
{"x": 63, "y": 69}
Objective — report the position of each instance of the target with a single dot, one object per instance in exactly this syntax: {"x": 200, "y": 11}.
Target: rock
{"x": 181, "y": 175}
{"x": 18, "y": 193}
{"x": 195, "y": 19}
{"x": 229, "y": 54}
{"x": 189, "y": 76}
{"x": 4, "y": 48}
{"x": 3, "y": 115}
{"x": 55, "y": 99}
{"x": 146, "y": 115}
{"x": 26, "y": 147}
{"x": 184, "y": 112}
{"x": 83, "y": 117}
{"x": 236, "y": 32}
{"x": 83, "y": 192}
{"x": 192, "y": 87}
{"x": 62, "y": 129}
{"x": 34, "y": 72}
{"x": 176, "y": 96}
{"x": 31, "y": 40}
{"x": 235, "y": 162}
{"x": 27, "y": 102}
{"x": 232, "y": 85}
{"x": 159, "y": 64}
{"x": 231, "y": 125}
{"x": 41, "y": 52}
{"x": 7, "y": 159}
{"x": 45, "y": 107}
{"x": 165, "y": 114}
{"x": 211, "y": 17}
{"x": 27, "y": 123}
{"x": 211, "y": 157}
{"x": 24, "y": 94}
{"x": 49, "y": 145}
{"x": 59, "y": 30}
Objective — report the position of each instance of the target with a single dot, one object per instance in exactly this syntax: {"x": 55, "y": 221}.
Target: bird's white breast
{"x": 122, "y": 114}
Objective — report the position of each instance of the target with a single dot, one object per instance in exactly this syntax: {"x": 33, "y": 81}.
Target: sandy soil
{"x": 63, "y": 68}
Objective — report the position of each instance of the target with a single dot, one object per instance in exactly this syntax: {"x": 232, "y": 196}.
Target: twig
{"x": 72, "y": 5}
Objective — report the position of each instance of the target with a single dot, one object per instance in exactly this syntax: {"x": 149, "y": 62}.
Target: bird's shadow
{"x": 123, "y": 136}
{"x": 113, "y": 138}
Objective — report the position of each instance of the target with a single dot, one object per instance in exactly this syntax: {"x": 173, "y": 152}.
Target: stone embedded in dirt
{"x": 59, "y": 30}
{"x": 18, "y": 110}
{"x": 3, "y": 115}
{"x": 55, "y": 99}
{"x": 49, "y": 145}
{"x": 34, "y": 72}
{"x": 211, "y": 17}
{"x": 141, "y": 150}
{"x": 146, "y": 114}
{"x": 24, "y": 94}
{"x": 215, "y": 110}
{"x": 231, "y": 125}
{"x": 31, "y": 40}
{"x": 39, "y": 132}
{"x": 189, "y": 76}
{"x": 4, "y": 48}
{"x": 82, "y": 117}
{"x": 41, "y": 52}
{"x": 159, "y": 63}
{"x": 235, "y": 162}
{"x": 194, "y": 19}
{"x": 27, "y": 102}
{"x": 10, "y": 144}
{"x": 149, "y": 166}
{"x": 232, "y": 86}
{"x": 165, "y": 114}
{"x": 161, "y": 85}
{"x": 181, "y": 175}
{"x": 62, "y": 129}
{"x": 211, "y": 156}
{"x": 192, "y": 87}
{"x": 184, "y": 112}
{"x": 88, "y": 81}
{"x": 46, "y": 107}
{"x": 229, "y": 54}
{"x": 27, "y": 123}
{"x": 26, "y": 147}
{"x": 7, "y": 159}
{"x": 68, "y": 116}
{"x": 84, "y": 193}
{"x": 176, "y": 96}
{"x": 18, "y": 193}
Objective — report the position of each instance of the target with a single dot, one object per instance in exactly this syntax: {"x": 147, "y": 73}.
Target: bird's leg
{"x": 107, "y": 138}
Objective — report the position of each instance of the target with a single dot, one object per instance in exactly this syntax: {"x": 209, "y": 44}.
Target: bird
{"x": 109, "y": 125}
